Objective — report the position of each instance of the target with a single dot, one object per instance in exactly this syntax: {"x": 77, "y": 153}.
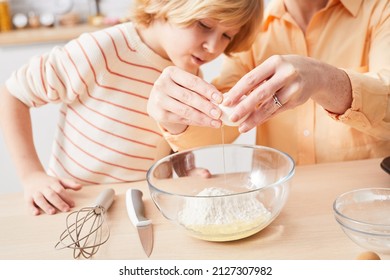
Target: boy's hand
{"x": 184, "y": 165}
{"x": 48, "y": 194}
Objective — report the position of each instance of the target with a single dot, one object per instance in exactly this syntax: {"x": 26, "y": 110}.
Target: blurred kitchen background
{"x": 58, "y": 8}
{"x": 29, "y": 28}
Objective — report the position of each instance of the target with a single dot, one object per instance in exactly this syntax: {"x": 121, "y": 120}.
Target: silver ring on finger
{"x": 277, "y": 101}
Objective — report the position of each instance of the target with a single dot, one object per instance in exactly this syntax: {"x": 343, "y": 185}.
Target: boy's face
{"x": 192, "y": 46}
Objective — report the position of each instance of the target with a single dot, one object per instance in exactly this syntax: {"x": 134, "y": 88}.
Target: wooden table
{"x": 306, "y": 228}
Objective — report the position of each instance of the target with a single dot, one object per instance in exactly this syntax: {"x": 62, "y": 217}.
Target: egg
{"x": 368, "y": 256}
{"x": 227, "y": 111}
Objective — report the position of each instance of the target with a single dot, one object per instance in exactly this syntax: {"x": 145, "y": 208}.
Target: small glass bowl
{"x": 364, "y": 216}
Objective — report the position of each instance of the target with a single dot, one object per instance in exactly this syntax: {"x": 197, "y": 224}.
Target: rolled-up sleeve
{"x": 370, "y": 109}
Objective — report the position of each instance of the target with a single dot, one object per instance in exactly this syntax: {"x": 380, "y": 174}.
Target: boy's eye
{"x": 203, "y": 25}
{"x": 210, "y": 27}
{"x": 227, "y": 36}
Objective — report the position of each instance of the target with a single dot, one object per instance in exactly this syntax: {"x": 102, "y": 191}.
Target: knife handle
{"x": 135, "y": 208}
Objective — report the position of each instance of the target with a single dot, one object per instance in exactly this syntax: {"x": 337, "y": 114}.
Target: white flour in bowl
{"x": 223, "y": 218}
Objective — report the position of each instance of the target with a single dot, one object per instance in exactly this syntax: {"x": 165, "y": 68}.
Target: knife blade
{"x": 136, "y": 213}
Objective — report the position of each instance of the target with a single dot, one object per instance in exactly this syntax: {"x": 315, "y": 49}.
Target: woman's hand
{"x": 179, "y": 99}
{"x": 285, "y": 82}
{"x": 48, "y": 194}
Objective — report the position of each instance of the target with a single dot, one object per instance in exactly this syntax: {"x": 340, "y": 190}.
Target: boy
{"x": 103, "y": 81}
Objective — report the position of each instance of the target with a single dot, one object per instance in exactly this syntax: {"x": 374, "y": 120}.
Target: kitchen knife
{"x": 135, "y": 210}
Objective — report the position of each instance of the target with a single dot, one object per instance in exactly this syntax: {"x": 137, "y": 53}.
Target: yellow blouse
{"x": 350, "y": 34}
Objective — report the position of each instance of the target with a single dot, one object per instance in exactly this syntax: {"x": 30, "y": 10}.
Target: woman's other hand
{"x": 179, "y": 99}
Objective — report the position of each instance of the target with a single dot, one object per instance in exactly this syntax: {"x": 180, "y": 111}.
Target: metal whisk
{"x": 86, "y": 229}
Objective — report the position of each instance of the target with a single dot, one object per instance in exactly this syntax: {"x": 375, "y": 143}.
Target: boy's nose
{"x": 212, "y": 45}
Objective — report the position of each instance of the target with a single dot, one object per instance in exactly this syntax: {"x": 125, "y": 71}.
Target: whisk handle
{"x": 105, "y": 199}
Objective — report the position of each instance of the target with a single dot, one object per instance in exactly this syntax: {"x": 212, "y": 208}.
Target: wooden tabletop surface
{"x": 305, "y": 230}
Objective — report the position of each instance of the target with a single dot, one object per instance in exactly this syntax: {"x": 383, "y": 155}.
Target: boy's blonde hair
{"x": 246, "y": 14}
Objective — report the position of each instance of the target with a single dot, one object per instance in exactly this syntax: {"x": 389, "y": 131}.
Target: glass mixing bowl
{"x": 364, "y": 216}
{"x": 222, "y": 192}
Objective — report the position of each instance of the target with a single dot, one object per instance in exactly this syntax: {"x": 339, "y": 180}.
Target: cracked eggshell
{"x": 226, "y": 113}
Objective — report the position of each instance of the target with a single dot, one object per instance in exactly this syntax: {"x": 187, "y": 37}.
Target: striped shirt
{"x": 103, "y": 81}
